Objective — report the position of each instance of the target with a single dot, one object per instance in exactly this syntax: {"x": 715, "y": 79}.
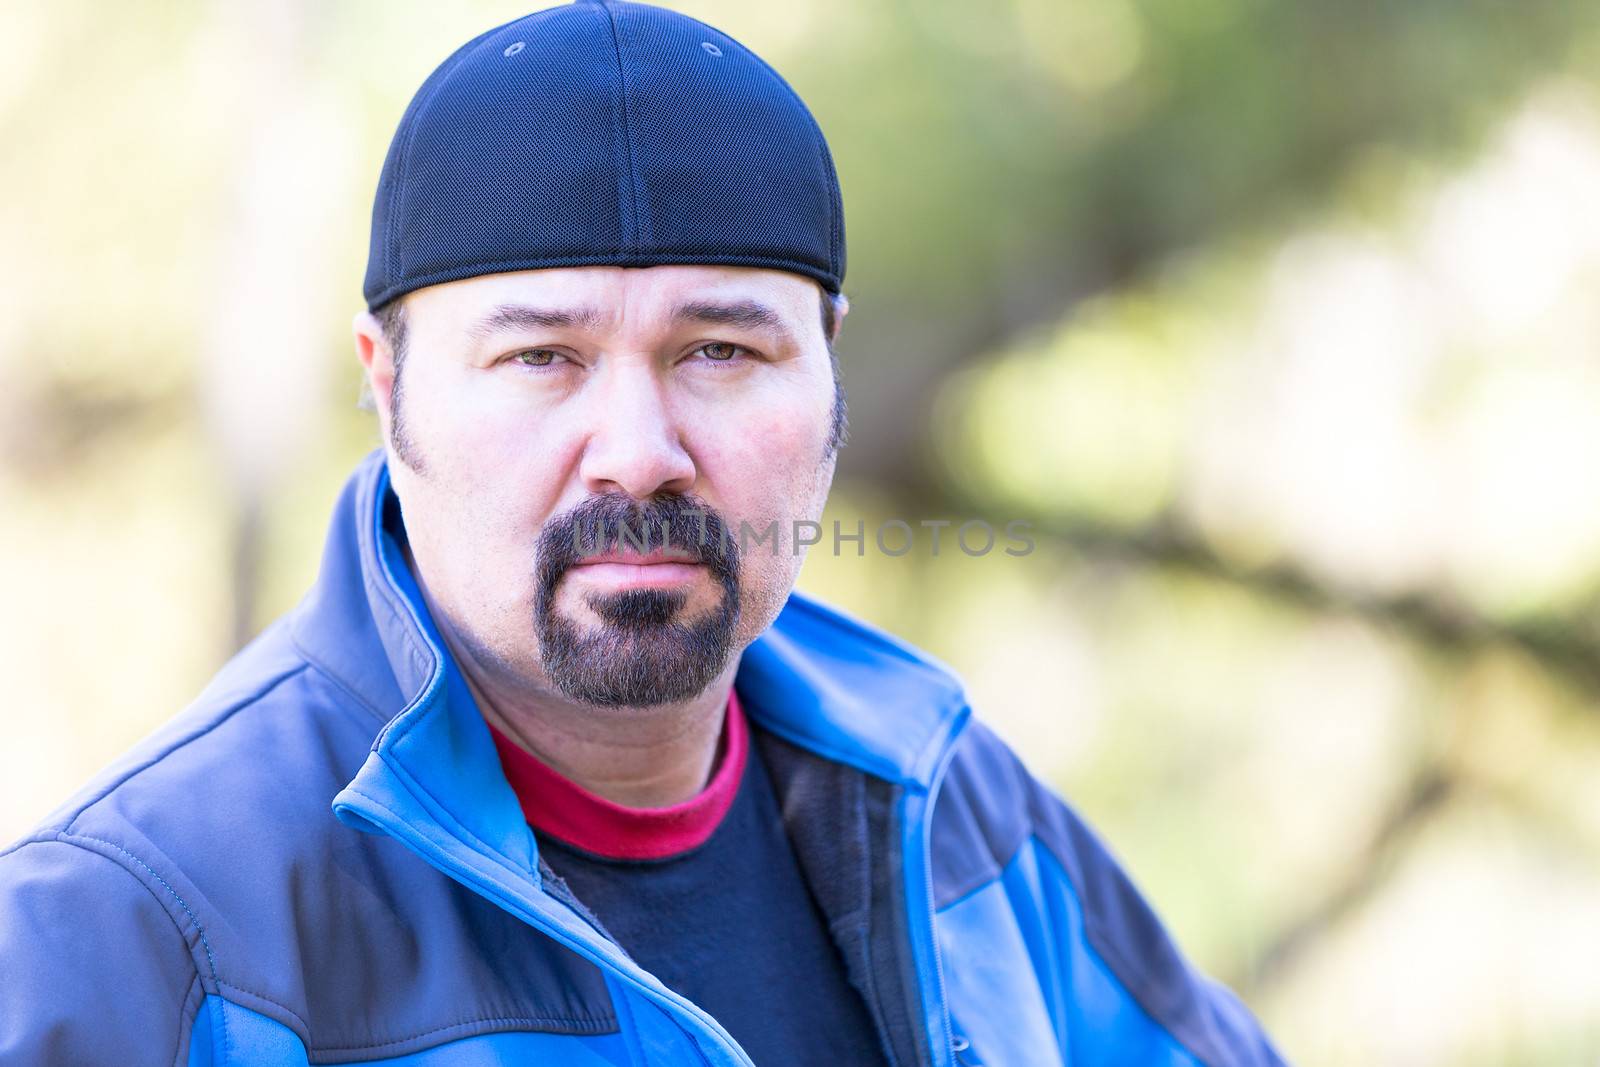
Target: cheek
{"x": 483, "y": 444}
{"x": 489, "y": 485}
{"x": 766, "y": 578}
{"x": 502, "y": 463}
{"x": 765, "y": 467}
{"x": 766, "y": 452}
{"x": 476, "y": 553}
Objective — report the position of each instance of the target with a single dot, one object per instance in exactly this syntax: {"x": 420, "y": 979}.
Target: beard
{"x": 642, "y": 653}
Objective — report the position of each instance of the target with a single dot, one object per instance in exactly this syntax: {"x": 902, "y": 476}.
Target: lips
{"x": 684, "y": 543}
{"x": 639, "y": 570}
{"x": 658, "y": 557}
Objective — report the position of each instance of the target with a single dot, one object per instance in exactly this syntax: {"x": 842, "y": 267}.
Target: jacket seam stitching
{"x": 183, "y": 1014}
{"x": 592, "y": 1025}
{"x": 211, "y": 959}
{"x": 305, "y": 1027}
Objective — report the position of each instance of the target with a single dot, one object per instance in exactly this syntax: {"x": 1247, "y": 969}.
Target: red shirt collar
{"x": 556, "y": 805}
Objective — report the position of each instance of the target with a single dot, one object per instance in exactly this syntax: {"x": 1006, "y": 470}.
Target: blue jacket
{"x": 200, "y": 903}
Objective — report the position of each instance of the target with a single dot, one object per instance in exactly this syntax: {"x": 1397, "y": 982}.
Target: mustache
{"x": 641, "y": 653}
{"x": 682, "y": 523}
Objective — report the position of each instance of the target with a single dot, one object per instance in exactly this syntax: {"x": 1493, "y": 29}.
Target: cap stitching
{"x": 633, "y": 238}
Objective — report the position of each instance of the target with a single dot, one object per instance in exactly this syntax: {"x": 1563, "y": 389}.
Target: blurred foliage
{"x": 1275, "y": 319}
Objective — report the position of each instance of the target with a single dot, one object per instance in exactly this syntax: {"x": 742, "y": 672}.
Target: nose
{"x": 635, "y": 445}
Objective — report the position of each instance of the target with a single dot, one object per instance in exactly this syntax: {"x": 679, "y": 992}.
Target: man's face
{"x": 541, "y": 410}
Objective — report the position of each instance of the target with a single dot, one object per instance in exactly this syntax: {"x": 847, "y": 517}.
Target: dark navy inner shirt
{"x": 731, "y": 924}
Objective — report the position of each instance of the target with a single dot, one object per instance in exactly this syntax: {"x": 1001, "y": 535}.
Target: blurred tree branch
{"x": 1568, "y": 647}
{"x": 1429, "y": 789}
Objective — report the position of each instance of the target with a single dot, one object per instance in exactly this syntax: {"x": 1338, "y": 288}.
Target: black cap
{"x": 603, "y": 132}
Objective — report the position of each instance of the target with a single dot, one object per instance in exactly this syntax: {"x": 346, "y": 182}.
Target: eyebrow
{"x": 744, "y": 314}
{"x": 749, "y": 314}
{"x": 527, "y": 317}
{"x": 738, "y": 313}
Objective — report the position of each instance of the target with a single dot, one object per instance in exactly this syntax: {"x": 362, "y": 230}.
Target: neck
{"x": 651, "y": 757}
{"x": 645, "y": 757}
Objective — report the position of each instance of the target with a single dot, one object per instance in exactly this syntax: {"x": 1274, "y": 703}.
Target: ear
{"x": 372, "y": 349}
{"x": 841, "y": 308}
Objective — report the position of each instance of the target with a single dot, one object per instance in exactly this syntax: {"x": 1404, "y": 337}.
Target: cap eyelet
{"x": 513, "y": 49}
{"x": 711, "y": 49}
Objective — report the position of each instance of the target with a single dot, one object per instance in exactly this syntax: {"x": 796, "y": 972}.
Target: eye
{"x": 536, "y": 357}
{"x": 720, "y": 351}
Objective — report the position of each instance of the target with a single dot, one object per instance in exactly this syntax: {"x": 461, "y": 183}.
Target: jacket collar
{"x": 821, "y": 680}
{"x": 433, "y": 778}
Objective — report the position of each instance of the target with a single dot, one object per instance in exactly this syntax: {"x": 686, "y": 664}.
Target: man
{"x": 602, "y": 789}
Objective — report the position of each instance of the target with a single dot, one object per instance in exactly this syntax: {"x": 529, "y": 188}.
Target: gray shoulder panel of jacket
{"x": 982, "y": 816}
{"x": 97, "y": 969}
{"x": 225, "y": 815}
{"x": 990, "y": 807}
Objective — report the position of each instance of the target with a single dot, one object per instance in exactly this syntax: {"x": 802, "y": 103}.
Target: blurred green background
{"x": 1277, "y": 319}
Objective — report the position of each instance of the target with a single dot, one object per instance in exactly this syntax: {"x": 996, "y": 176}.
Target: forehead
{"x": 617, "y": 297}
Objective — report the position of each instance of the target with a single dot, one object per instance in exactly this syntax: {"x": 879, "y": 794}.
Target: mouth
{"x": 638, "y": 570}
